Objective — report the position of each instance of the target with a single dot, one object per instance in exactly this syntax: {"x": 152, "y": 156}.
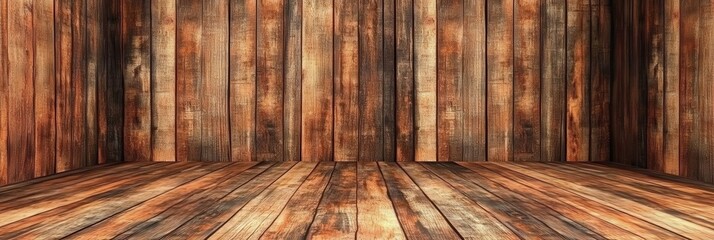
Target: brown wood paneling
{"x": 474, "y": 81}
{"x": 136, "y": 35}
{"x": 449, "y": 41}
{"x": 600, "y": 61}
{"x": 346, "y": 80}
{"x": 269, "y": 110}
{"x": 293, "y": 80}
{"x": 389, "y": 80}
{"x": 242, "y": 76}
{"x": 4, "y": 79}
{"x": 163, "y": 80}
{"x": 671, "y": 86}
{"x": 706, "y": 97}
{"x": 44, "y": 85}
{"x": 405, "y": 101}
{"x": 425, "y": 26}
{"x": 215, "y": 143}
{"x": 553, "y": 81}
{"x": 526, "y": 81}
{"x": 500, "y": 79}
{"x": 371, "y": 77}
{"x": 689, "y": 114}
{"x": 654, "y": 37}
{"x": 188, "y": 80}
{"x": 578, "y": 80}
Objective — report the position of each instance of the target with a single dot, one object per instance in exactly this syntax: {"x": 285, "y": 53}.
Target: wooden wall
{"x": 60, "y": 96}
{"x": 465, "y": 80}
{"x": 663, "y": 82}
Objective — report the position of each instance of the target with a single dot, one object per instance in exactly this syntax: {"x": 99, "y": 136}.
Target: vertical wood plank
{"x": 317, "y": 101}
{"x": 474, "y": 80}
{"x": 293, "y": 79}
{"x": 44, "y": 85}
{"x": 371, "y": 77}
{"x": 449, "y": 80}
{"x": 269, "y": 112}
{"x": 600, "y": 72}
{"x": 136, "y": 28}
{"x": 79, "y": 83}
{"x": 215, "y": 140}
{"x": 4, "y": 81}
{"x": 163, "y": 80}
{"x": 114, "y": 101}
{"x": 671, "y": 87}
{"x": 425, "y": 78}
{"x": 553, "y": 81}
{"x": 389, "y": 89}
{"x": 500, "y": 79}
{"x": 578, "y": 80}
{"x": 63, "y": 58}
{"x": 188, "y": 80}
{"x": 94, "y": 57}
{"x": 346, "y": 80}
{"x": 689, "y": 127}
{"x": 526, "y": 80}
{"x": 706, "y": 79}
{"x": 654, "y": 53}
{"x": 242, "y": 79}
{"x": 404, "y": 28}
{"x": 20, "y": 91}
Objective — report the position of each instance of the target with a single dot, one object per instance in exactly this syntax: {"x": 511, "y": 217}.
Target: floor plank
{"x": 348, "y": 200}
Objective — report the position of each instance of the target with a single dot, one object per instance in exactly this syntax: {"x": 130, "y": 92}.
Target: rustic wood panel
{"x": 500, "y": 79}
{"x": 293, "y": 80}
{"x": 654, "y": 60}
{"x": 671, "y": 86}
{"x": 44, "y": 82}
{"x": 449, "y": 58}
{"x": 4, "y": 79}
{"x": 601, "y": 74}
{"x": 578, "y": 80}
{"x": 215, "y": 145}
{"x": 526, "y": 81}
{"x": 346, "y": 80}
{"x": 163, "y": 80}
{"x": 242, "y": 75}
{"x": 553, "y": 81}
{"x": 405, "y": 99}
{"x": 425, "y": 25}
{"x": 474, "y": 80}
{"x": 269, "y": 110}
{"x": 136, "y": 39}
{"x": 188, "y": 78}
{"x": 371, "y": 75}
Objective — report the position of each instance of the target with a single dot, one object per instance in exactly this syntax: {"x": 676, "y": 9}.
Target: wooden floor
{"x": 357, "y": 200}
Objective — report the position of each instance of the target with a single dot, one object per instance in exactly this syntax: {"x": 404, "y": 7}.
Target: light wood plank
{"x": 336, "y": 216}
{"x": 425, "y": 79}
{"x": 163, "y": 80}
{"x": 243, "y": 70}
{"x": 346, "y": 80}
{"x": 376, "y": 217}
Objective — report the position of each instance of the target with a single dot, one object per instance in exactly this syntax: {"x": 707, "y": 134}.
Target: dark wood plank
{"x": 449, "y": 37}
{"x": 163, "y": 80}
{"x": 269, "y": 108}
{"x": 21, "y": 119}
{"x": 371, "y": 77}
{"x": 217, "y": 210}
{"x": 553, "y": 81}
{"x": 689, "y": 112}
{"x": 293, "y": 80}
{"x": 4, "y": 81}
{"x": 202, "y": 187}
{"x": 468, "y": 218}
{"x": 405, "y": 101}
{"x": 601, "y": 34}
{"x": 336, "y": 216}
{"x": 317, "y": 100}
{"x": 215, "y": 140}
{"x": 417, "y": 214}
{"x": 111, "y": 101}
{"x": 188, "y": 80}
{"x": 654, "y": 36}
{"x": 671, "y": 86}
{"x": 524, "y": 218}
{"x": 243, "y": 31}
{"x": 499, "y": 34}
{"x": 376, "y": 217}
{"x": 66, "y": 220}
{"x": 94, "y": 57}
{"x": 295, "y": 219}
{"x": 474, "y": 81}
{"x": 136, "y": 38}
{"x": 79, "y": 84}
{"x": 258, "y": 214}
{"x": 578, "y": 80}
{"x": 346, "y": 80}
{"x": 389, "y": 86}
{"x": 526, "y": 80}
{"x": 603, "y": 220}
{"x": 425, "y": 79}
{"x": 706, "y": 99}
{"x": 44, "y": 85}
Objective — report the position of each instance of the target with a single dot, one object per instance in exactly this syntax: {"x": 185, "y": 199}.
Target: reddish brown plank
{"x": 578, "y": 80}
{"x": 215, "y": 140}
{"x": 500, "y": 79}
{"x": 346, "y": 80}
{"x": 136, "y": 34}
{"x": 425, "y": 79}
{"x": 405, "y": 102}
{"x": 188, "y": 80}
{"x": 671, "y": 86}
{"x": 376, "y": 217}
{"x": 654, "y": 33}
{"x": 336, "y": 216}
{"x": 553, "y": 81}
{"x": 317, "y": 100}
{"x": 44, "y": 85}
{"x": 63, "y": 89}
{"x": 269, "y": 108}
{"x": 4, "y": 80}
{"x": 94, "y": 54}
{"x": 449, "y": 60}
{"x": 371, "y": 77}
{"x": 242, "y": 79}
{"x": 163, "y": 80}
{"x": 474, "y": 81}
{"x": 689, "y": 111}
{"x": 293, "y": 80}
{"x": 110, "y": 99}
{"x": 389, "y": 86}
{"x": 601, "y": 31}
{"x": 706, "y": 99}
{"x": 526, "y": 80}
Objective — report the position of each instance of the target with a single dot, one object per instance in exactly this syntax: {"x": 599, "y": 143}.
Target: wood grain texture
{"x": 371, "y": 85}
{"x": 336, "y": 216}
{"x": 317, "y": 100}
{"x": 553, "y": 81}
{"x": 389, "y": 75}
{"x": 500, "y": 79}
{"x": 449, "y": 80}
{"x": 93, "y": 58}
{"x": 44, "y": 85}
{"x": 405, "y": 97}
{"x": 654, "y": 53}
{"x": 689, "y": 110}
{"x": 578, "y": 80}
{"x": 526, "y": 81}
{"x": 269, "y": 109}
{"x": 601, "y": 75}
{"x": 163, "y": 80}
{"x": 425, "y": 25}
{"x": 474, "y": 81}
{"x": 243, "y": 31}
{"x": 671, "y": 86}
{"x": 293, "y": 80}
{"x": 346, "y": 80}
{"x": 375, "y": 216}
{"x": 188, "y": 80}
{"x": 215, "y": 144}
{"x": 706, "y": 97}
{"x": 4, "y": 80}
{"x": 136, "y": 27}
